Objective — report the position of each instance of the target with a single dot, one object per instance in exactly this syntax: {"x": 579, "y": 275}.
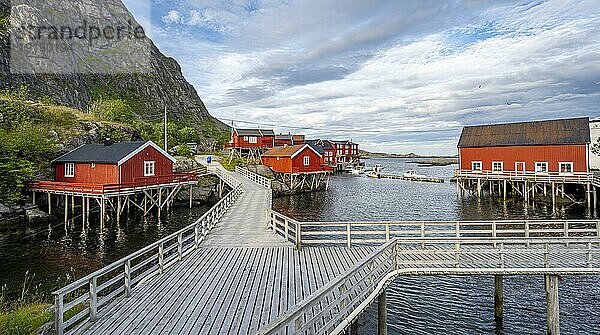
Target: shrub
{"x": 183, "y": 150}
{"x": 116, "y": 110}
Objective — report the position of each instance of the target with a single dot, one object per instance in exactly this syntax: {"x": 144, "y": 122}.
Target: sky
{"x": 394, "y": 76}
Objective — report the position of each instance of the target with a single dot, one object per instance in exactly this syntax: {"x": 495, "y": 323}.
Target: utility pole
{"x": 166, "y": 142}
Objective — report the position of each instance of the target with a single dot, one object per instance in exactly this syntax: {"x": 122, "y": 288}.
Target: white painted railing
{"x": 263, "y": 181}
{"x": 85, "y": 299}
{"x": 375, "y": 233}
{"x": 578, "y": 177}
{"x": 332, "y": 308}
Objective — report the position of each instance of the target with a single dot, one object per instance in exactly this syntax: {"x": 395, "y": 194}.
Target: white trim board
{"x": 304, "y": 147}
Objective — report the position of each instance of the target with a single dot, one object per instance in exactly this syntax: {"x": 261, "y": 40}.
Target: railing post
{"x": 128, "y": 278}
{"x": 93, "y": 299}
{"x": 298, "y": 236}
{"x": 161, "y": 258}
{"x": 502, "y": 260}
{"x": 387, "y": 232}
{"x": 180, "y": 246}
{"x": 196, "y": 236}
{"x": 348, "y": 236}
{"x": 58, "y": 318}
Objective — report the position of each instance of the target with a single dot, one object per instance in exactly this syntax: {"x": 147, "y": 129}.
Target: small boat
{"x": 373, "y": 174}
{"x": 413, "y": 174}
{"x": 357, "y": 171}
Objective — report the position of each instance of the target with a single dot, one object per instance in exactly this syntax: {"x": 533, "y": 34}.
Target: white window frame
{"x": 253, "y": 139}
{"x": 538, "y": 164}
{"x": 306, "y": 160}
{"x": 480, "y": 166}
{"x": 148, "y": 164}
{"x": 69, "y": 170}
{"x": 501, "y": 167}
{"x": 560, "y": 164}
{"x": 246, "y": 138}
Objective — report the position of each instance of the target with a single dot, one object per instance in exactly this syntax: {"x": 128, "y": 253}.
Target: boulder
{"x": 5, "y": 209}
{"x": 35, "y": 215}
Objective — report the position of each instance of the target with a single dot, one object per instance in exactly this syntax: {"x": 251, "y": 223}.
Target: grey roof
{"x": 552, "y": 132}
{"x": 100, "y": 153}
{"x": 324, "y": 144}
{"x": 284, "y": 137}
{"x": 315, "y": 146}
{"x": 254, "y": 132}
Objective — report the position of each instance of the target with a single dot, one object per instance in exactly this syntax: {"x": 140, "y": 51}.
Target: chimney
{"x": 108, "y": 142}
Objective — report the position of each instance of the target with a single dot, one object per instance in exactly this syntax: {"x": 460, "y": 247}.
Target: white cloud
{"x": 172, "y": 17}
{"x": 394, "y": 68}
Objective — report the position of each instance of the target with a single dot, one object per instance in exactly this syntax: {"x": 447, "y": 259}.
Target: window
{"x": 541, "y": 166}
{"x": 306, "y": 160}
{"x": 246, "y": 138}
{"x": 565, "y": 167}
{"x": 70, "y": 170}
{"x": 476, "y": 166}
{"x": 148, "y": 169}
{"x": 252, "y": 139}
{"x": 497, "y": 166}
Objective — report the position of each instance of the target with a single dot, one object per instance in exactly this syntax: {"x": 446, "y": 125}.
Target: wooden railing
{"x": 579, "y": 177}
{"x": 108, "y": 189}
{"x": 266, "y": 182}
{"x": 332, "y": 308}
{"x": 86, "y": 298}
{"x": 375, "y": 233}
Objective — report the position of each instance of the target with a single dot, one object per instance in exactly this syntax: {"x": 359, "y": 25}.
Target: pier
{"x": 528, "y": 185}
{"x": 413, "y": 178}
{"x": 243, "y": 268}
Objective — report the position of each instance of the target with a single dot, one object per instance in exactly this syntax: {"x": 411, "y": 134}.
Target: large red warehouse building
{"x": 251, "y": 138}
{"x": 556, "y": 146}
{"x": 117, "y": 163}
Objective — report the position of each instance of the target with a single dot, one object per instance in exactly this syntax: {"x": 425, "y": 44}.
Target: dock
{"x": 243, "y": 268}
{"x": 417, "y": 179}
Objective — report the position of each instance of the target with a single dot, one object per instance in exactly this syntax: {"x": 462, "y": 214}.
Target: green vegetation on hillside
{"x": 26, "y": 147}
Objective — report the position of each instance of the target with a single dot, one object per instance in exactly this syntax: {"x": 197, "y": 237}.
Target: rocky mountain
{"x": 53, "y": 63}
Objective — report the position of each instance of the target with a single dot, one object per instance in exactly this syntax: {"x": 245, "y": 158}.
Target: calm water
{"x": 53, "y": 255}
{"x": 450, "y": 305}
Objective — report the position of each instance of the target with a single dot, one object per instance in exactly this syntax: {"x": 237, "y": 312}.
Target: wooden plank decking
{"x": 243, "y": 277}
{"x": 227, "y": 290}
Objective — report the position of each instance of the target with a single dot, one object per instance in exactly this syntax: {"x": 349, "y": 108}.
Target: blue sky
{"x": 395, "y": 76}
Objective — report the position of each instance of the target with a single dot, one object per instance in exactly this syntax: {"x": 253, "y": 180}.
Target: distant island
{"x": 418, "y": 159}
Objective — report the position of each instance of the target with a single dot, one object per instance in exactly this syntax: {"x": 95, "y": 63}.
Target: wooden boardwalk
{"x": 230, "y": 273}
{"x": 245, "y": 224}
{"x": 227, "y": 290}
{"x": 243, "y": 277}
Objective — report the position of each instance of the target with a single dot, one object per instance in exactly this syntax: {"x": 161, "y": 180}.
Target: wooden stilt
{"x": 588, "y": 195}
{"x": 49, "y": 204}
{"x": 553, "y": 194}
{"x": 159, "y": 202}
{"x": 478, "y": 188}
{"x": 83, "y": 213}
{"x": 66, "y": 208}
{"x": 191, "y": 195}
{"x": 504, "y": 189}
{"x": 73, "y": 206}
{"x": 552, "y": 305}
{"x": 119, "y": 209}
{"x": 33, "y": 197}
{"x": 87, "y": 210}
{"x": 382, "y": 314}
{"x": 102, "y": 212}
{"x": 498, "y": 298}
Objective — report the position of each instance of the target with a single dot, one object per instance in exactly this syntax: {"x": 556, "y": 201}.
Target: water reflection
{"x": 57, "y": 251}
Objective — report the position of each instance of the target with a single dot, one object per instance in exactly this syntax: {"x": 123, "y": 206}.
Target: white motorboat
{"x": 413, "y": 174}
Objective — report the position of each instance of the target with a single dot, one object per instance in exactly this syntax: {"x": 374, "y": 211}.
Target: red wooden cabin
{"x": 346, "y": 151}
{"x": 294, "y": 159}
{"x": 118, "y": 163}
{"x": 289, "y": 139}
{"x": 251, "y": 138}
{"x": 329, "y": 150}
{"x": 556, "y": 146}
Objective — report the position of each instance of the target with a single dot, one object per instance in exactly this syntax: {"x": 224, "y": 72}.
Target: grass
{"x": 26, "y": 319}
{"x": 230, "y": 166}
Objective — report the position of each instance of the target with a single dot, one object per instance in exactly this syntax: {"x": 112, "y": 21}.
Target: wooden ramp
{"x": 227, "y": 290}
